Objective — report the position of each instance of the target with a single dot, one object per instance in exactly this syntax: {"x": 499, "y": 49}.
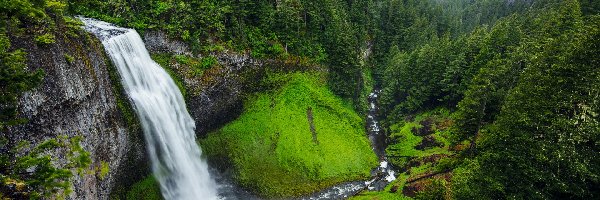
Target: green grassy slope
{"x": 275, "y": 152}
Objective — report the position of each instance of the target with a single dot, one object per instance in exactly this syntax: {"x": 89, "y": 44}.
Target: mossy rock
{"x": 294, "y": 140}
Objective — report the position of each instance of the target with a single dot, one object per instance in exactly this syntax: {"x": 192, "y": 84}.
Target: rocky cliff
{"x": 216, "y": 97}
{"x": 81, "y": 95}
{"x": 79, "y": 98}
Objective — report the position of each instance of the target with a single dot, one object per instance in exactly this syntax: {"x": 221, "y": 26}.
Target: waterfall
{"x": 168, "y": 127}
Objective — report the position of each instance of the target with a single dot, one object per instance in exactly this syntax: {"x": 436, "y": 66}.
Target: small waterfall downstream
{"x": 384, "y": 173}
{"x": 168, "y": 127}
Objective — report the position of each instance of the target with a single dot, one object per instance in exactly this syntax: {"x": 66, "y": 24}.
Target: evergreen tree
{"x": 544, "y": 143}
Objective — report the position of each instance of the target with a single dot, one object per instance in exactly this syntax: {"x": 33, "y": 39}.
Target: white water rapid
{"x": 168, "y": 127}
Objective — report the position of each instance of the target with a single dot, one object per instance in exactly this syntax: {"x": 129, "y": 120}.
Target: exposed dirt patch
{"x": 444, "y": 124}
{"x": 309, "y": 115}
{"x": 458, "y": 147}
{"x": 428, "y": 142}
{"x": 420, "y": 184}
{"x": 424, "y": 160}
{"x": 394, "y": 189}
{"x": 426, "y": 127}
{"x": 275, "y": 141}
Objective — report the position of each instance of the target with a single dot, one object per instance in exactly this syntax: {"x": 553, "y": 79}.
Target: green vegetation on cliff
{"x": 31, "y": 171}
{"x": 294, "y": 140}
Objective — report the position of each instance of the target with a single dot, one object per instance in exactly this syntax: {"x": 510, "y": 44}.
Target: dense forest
{"x": 480, "y": 99}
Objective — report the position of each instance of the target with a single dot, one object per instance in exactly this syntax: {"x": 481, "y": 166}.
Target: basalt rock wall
{"x": 80, "y": 96}
{"x": 216, "y": 97}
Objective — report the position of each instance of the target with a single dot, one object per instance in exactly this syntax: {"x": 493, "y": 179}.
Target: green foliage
{"x": 73, "y": 26}
{"x": 436, "y": 190}
{"x": 520, "y": 75}
{"x": 44, "y": 39}
{"x": 498, "y": 62}
{"x": 28, "y": 171}
{"x": 78, "y": 157}
{"x": 14, "y": 80}
{"x": 323, "y": 31}
{"x": 590, "y": 7}
{"x": 103, "y": 170}
{"x": 201, "y": 21}
{"x": 55, "y": 6}
{"x": 24, "y": 10}
{"x": 439, "y": 73}
{"x": 196, "y": 67}
{"x": 520, "y": 88}
{"x": 31, "y": 172}
{"x": 415, "y": 81}
{"x": 70, "y": 59}
{"x": 276, "y": 153}
{"x": 208, "y": 62}
{"x": 147, "y": 189}
{"x": 405, "y": 136}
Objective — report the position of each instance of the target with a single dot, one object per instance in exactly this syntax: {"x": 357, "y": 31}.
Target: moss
{"x": 147, "y": 189}
{"x": 207, "y": 62}
{"x": 404, "y": 139}
{"x": 73, "y": 26}
{"x": 178, "y": 81}
{"x": 69, "y": 58}
{"x": 183, "y": 68}
{"x": 104, "y": 169}
{"x": 273, "y": 150}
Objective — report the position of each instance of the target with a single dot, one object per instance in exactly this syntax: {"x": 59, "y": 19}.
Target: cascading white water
{"x": 168, "y": 127}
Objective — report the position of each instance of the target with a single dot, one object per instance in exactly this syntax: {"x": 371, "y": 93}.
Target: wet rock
{"x": 158, "y": 42}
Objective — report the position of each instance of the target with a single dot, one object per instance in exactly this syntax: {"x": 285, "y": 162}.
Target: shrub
{"x": 104, "y": 169}
{"x": 69, "y": 58}
{"x": 45, "y": 39}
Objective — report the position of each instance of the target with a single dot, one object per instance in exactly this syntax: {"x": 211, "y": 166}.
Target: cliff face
{"x": 78, "y": 98}
{"x": 213, "y": 102}
{"x": 83, "y": 97}
{"x": 216, "y": 97}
